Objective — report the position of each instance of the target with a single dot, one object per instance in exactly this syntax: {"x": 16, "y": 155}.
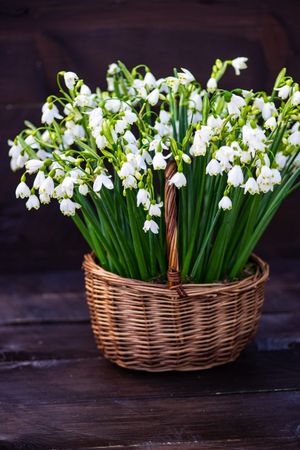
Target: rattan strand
{"x": 147, "y": 326}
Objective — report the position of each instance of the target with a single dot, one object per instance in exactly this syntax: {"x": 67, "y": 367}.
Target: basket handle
{"x": 173, "y": 273}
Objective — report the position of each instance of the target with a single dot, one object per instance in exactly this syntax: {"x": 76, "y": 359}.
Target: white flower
{"x": 157, "y": 144}
{"x": 294, "y": 138}
{"x": 159, "y": 161}
{"x": 239, "y": 64}
{"x": 47, "y": 186}
{"x": 83, "y": 189}
{"x": 281, "y": 160}
{"x": 143, "y": 198}
{"x": 211, "y": 85}
{"x": 225, "y": 203}
{"x": 102, "y": 180}
{"x": 30, "y": 140}
{"x": 32, "y": 203}
{"x": 129, "y": 136}
{"x": 195, "y": 101}
{"x": 225, "y": 156}
{"x": 268, "y": 110}
{"x": 22, "y": 190}
{"x": 173, "y": 83}
{"x": 186, "y": 158}
{"x": 283, "y": 92}
{"x": 185, "y": 77}
{"x": 85, "y": 97}
{"x": 33, "y": 165}
{"x": 129, "y": 182}
{"x": 270, "y": 123}
{"x": 254, "y": 138}
{"x": 50, "y": 112}
{"x": 164, "y": 116}
{"x": 44, "y": 198}
{"x": 251, "y": 186}
{"x": 201, "y": 141}
{"x": 153, "y": 97}
{"x": 68, "y": 186}
{"x": 149, "y": 80}
{"x": 126, "y": 170}
{"x": 235, "y": 104}
{"x": 101, "y": 142}
{"x": 40, "y": 177}
{"x": 130, "y": 117}
{"x": 113, "y": 105}
{"x": 235, "y": 176}
{"x": 215, "y": 122}
{"x": 70, "y": 79}
{"x": 113, "y": 69}
{"x": 213, "y": 167}
{"x": 178, "y": 179}
{"x": 295, "y": 100}
{"x": 68, "y": 208}
{"x": 120, "y": 126}
{"x": 95, "y": 118}
{"x": 155, "y": 210}
{"x": 151, "y": 225}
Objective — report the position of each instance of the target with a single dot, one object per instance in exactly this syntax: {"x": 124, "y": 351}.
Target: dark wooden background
{"x": 39, "y": 38}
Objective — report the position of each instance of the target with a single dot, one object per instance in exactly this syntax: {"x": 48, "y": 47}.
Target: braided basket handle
{"x": 173, "y": 274}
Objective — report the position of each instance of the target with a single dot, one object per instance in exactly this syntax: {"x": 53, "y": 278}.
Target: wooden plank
{"x": 93, "y": 378}
{"x": 120, "y": 422}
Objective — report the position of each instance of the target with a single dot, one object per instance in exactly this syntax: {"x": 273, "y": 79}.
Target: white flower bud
{"x": 153, "y": 97}
{"x": 83, "y": 189}
{"x": 295, "y": 100}
{"x": 143, "y": 198}
{"x": 239, "y": 64}
{"x": 211, "y": 85}
{"x": 70, "y": 79}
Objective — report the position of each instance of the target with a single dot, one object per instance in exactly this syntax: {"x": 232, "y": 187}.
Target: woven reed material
{"x": 152, "y": 327}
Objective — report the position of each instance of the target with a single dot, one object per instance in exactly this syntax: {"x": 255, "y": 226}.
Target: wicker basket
{"x": 155, "y": 327}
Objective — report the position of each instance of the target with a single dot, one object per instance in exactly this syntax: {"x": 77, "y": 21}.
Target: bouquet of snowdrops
{"x": 101, "y": 156}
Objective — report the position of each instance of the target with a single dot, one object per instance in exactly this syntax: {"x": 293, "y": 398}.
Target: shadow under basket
{"x": 158, "y": 327}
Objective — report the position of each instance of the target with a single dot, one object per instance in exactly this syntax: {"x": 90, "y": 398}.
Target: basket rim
{"x": 260, "y": 276}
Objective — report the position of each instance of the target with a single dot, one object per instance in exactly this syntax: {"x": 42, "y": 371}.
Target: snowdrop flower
{"x": 130, "y": 117}
{"x": 155, "y": 209}
{"x": 215, "y": 122}
{"x": 22, "y": 190}
{"x": 68, "y": 186}
{"x": 85, "y": 97}
{"x": 50, "y": 113}
{"x": 151, "y": 225}
{"x": 235, "y": 176}
{"x": 254, "y": 138}
{"x": 96, "y": 118}
{"x": 70, "y": 79}
{"x": 178, "y": 179}
{"x": 295, "y": 100}
{"x": 235, "y": 104}
{"x": 113, "y": 69}
{"x": 153, "y": 97}
{"x": 159, "y": 161}
{"x": 102, "y": 180}
{"x": 251, "y": 186}
{"x": 40, "y": 177}
{"x": 275, "y": 177}
{"x": 126, "y": 170}
{"x": 32, "y": 203}
{"x": 270, "y": 123}
{"x": 15, "y": 150}
{"x": 140, "y": 162}
{"x": 143, "y": 198}
{"x": 173, "y": 83}
{"x": 58, "y": 192}
{"x": 129, "y": 136}
{"x": 120, "y": 126}
{"x": 245, "y": 157}
{"x": 30, "y": 140}
{"x": 33, "y": 165}
{"x": 129, "y": 182}
{"x": 201, "y": 140}
{"x": 83, "y": 189}
{"x": 225, "y": 156}
{"x": 149, "y": 80}
{"x": 225, "y": 203}
{"x": 156, "y": 145}
{"x": 195, "y": 101}
{"x": 268, "y": 110}
{"x": 164, "y": 116}
{"x": 44, "y": 198}
{"x": 101, "y": 142}
{"x": 283, "y": 92}
{"x": 211, "y": 85}
{"x": 239, "y": 64}
{"x": 186, "y": 158}
{"x": 113, "y": 105}
{"x": 47, "y": 186}
{"x": 68, "y": 208}
{"x": 281, "y": 160}
{"x": 213, "y": 167}
{"x": 294, "y": 138}
{"x": 185, "y": 77}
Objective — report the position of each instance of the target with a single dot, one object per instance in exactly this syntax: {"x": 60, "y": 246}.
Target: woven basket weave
{"x": 157, "y": 327}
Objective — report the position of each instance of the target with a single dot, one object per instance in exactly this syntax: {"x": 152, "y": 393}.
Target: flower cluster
{"x": 119, "y": 140}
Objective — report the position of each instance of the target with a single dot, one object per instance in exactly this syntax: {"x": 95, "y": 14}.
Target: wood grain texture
{"x": 37, "y": 39}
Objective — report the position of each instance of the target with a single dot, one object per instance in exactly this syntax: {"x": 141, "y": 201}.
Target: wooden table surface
{"x": 57, "y": 391}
